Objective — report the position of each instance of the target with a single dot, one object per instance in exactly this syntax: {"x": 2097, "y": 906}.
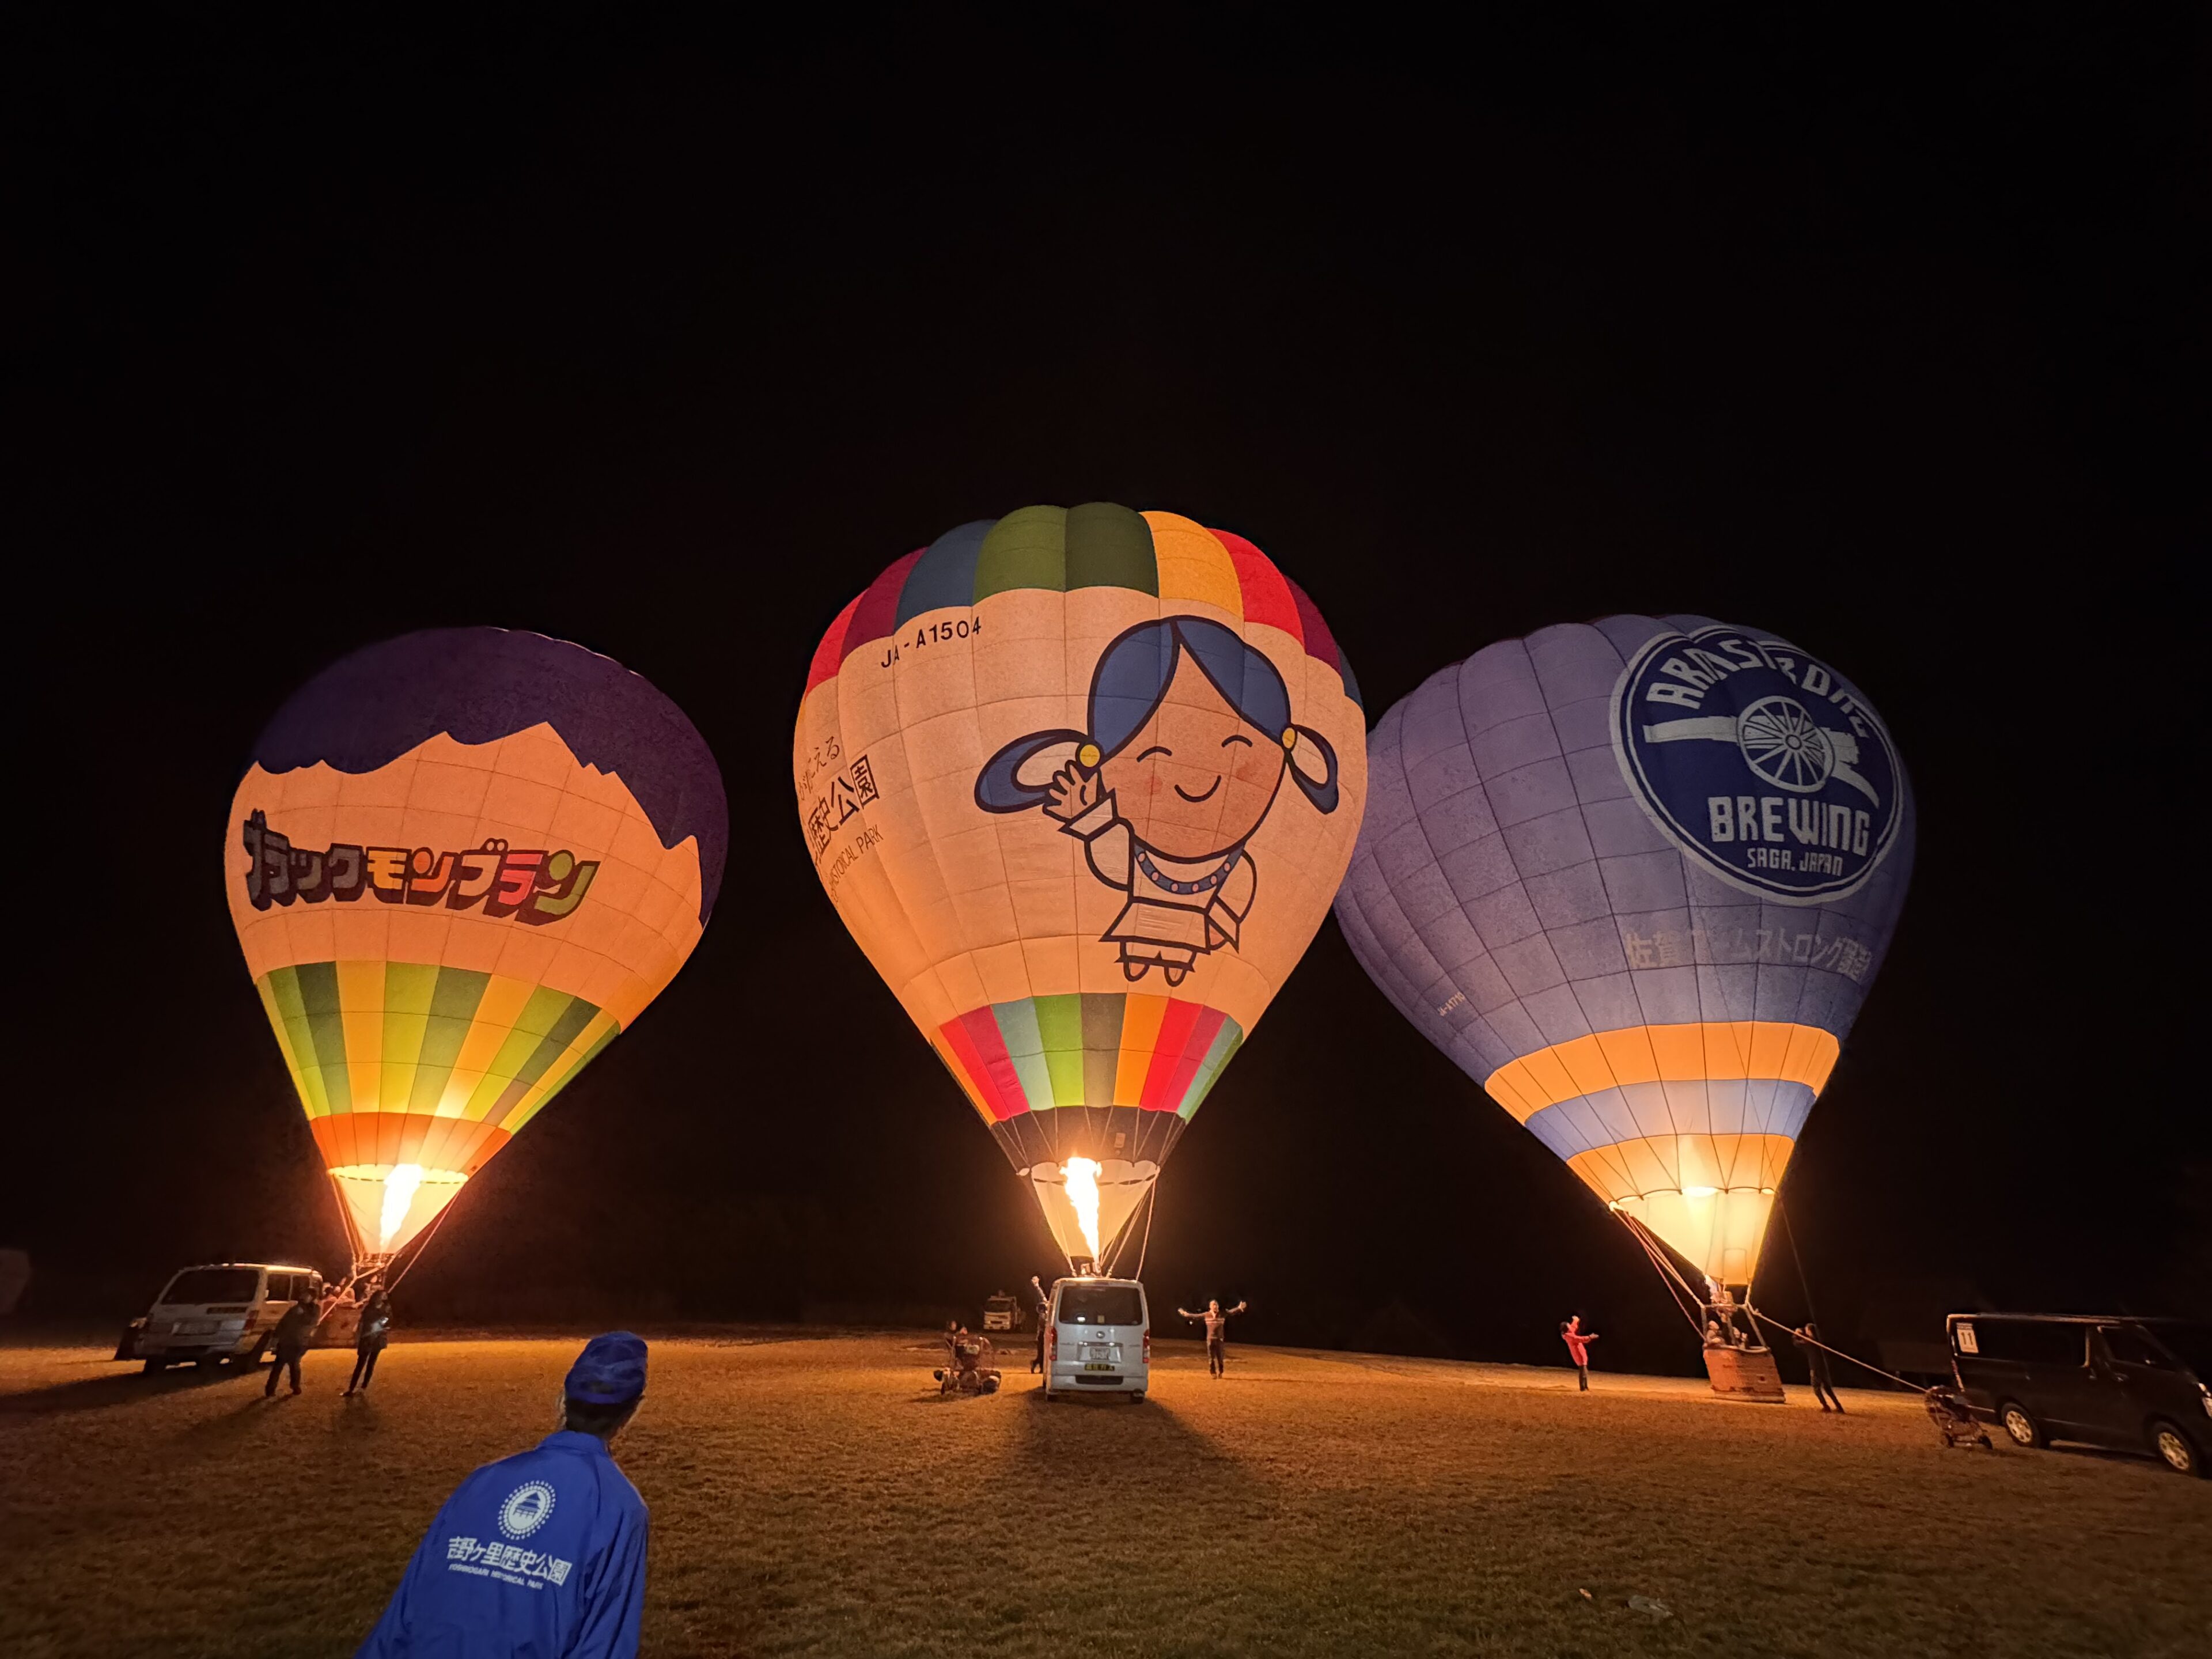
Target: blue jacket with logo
{"x": 537, "y": 1556}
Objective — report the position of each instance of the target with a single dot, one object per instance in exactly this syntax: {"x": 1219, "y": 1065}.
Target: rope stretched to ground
{"x": 1816, "y": 1342}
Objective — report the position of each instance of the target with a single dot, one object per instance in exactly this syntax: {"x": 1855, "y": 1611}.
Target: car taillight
{"x": 1051, "y": 1343}
{"x": 1148, "y": 1347}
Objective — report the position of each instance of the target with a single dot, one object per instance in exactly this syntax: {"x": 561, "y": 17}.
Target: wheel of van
{"x": 2024, "y": 1429}
{"x": 251, "y": 1360}
{"x": 2176, "y": 1450}
{"x": 212, "y": 1362}
{"x": 152, "y": 1367}
{"x": 1136, "y": 1396}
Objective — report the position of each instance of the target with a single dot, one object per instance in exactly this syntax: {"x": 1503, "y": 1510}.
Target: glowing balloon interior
{"x": 1082, "y": 782}
{"x": 459, "y": 864}
{"x": 1635, "y": 877}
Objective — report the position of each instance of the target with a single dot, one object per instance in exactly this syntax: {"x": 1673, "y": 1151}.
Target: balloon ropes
{"x": 460, "y": 863}
{"x": 1082, "y": 782}
{"x": 1636, "y": 877}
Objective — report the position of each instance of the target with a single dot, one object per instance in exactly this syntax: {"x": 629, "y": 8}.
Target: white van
{"x": 226, "y": 1310}
{"x": 1097, "y": 1338}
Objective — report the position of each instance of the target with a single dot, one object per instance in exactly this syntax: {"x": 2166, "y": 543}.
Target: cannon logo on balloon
{"x": 1759, "y": 761}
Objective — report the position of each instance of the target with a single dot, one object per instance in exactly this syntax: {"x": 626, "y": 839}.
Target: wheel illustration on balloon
{"x": 1784, "y": 745}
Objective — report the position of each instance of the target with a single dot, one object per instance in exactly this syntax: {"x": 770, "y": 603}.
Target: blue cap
{"x": 611, "y": 1370}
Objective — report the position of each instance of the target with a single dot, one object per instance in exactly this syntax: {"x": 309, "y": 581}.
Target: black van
{"x": 2132, "y": 1384}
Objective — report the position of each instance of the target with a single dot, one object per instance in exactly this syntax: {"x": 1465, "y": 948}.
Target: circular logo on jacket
{"x": 1760, "y": 762}
{"x": 526, "y": 1508}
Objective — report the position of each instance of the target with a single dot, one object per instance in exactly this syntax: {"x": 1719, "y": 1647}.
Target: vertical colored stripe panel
{"x": 407, "y": 990}
{"x": 830, "y": 654}
{"x": 1195, "y": 567}
{"x": 453, "y": 1002}
{"x": 876, "y": 614}
{"x": 550, "y": 1047}
{"x": 1320, "y": 643}
{"x": 1102, "y": 1045}
{"x": 1110, "y": 546}
{"x": 318, "y": 1004}
{"x": 1140, "y": 1031}
{"x": 1017, "y": 1030}
{"x": 1028, "y": 548}
{"x": 943, "y": 579}
{"x": 1059, "y": 1029}
{"x": 1203, "y": 1031}
{"x": 983, "y": 1030}
{"x": 1217, "y": 1059}
{"x": 1167, "y": 1053}
{"x": 1267, "y": 595}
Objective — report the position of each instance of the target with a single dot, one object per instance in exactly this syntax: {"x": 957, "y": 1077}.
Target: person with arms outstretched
{"x": 542, "y": 1553}
{"x": 1578, "y": 1341}
{"x": 1216, "y": 1329}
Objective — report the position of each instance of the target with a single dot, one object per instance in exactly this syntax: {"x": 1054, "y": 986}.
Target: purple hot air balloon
{"x": 1635, "y": 878}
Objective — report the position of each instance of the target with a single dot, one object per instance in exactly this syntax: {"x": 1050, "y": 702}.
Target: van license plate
{"x": 195, "y": 1327}
{"x": 1098, "y": 1366}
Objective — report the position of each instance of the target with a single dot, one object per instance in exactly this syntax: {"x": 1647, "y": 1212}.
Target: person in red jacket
{"x": 1578, "y": 1341}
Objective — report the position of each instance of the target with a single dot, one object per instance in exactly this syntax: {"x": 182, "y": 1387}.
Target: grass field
{"x": 814, "y": 1496}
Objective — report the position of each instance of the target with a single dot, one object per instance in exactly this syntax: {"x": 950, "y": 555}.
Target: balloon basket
{"x": 1745, "y": 1374}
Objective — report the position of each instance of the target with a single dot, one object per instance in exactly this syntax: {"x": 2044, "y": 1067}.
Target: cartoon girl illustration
{"x": 1190, "y": 738}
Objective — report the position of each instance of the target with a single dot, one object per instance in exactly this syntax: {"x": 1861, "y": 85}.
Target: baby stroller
{"x": 1954, "y": 1419}
{"x": 971, "y": 1371}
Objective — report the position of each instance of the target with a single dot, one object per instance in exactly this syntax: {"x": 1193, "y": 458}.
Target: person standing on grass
{"x": 1807, "y": 1339}
{"x": 375, "y": 1330}
{"x": 1217, "y": 1334}
{"x": 1578, "y": 1341}
{"x": 1043, "y": 1318}
{"x": 542, "y": 1553}
{"x": 293, "y": 1332}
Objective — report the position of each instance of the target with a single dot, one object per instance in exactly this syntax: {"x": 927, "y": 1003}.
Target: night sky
{"x": 667, "y": 345}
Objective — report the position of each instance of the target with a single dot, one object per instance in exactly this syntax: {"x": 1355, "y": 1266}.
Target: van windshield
{"x": 1102, "y": 1304}
{"x": 204, "y": 1285}
{"x": 2190, "y": 1341}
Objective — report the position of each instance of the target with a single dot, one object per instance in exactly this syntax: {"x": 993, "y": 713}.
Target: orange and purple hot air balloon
{"x": 460, "y": 863}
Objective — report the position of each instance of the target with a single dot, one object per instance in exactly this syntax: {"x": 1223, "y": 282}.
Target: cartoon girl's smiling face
{"x": 1197, "y": 778}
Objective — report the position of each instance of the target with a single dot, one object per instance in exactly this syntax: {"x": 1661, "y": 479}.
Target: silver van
{"x": 1097, "y": 1338}
{"x": 226, "y": 1310}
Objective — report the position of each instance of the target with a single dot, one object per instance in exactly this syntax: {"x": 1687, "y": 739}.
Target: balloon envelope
{"x": 460, "y": 862}
{"x": 1635, "y": 878}
{"x": 1082, "y": 782}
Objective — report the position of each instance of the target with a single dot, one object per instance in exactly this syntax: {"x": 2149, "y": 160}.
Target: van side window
{"x": 2032, "y": 1341}
{"x": 2131, "y": 1347}
{"x": 280, "y": 1287}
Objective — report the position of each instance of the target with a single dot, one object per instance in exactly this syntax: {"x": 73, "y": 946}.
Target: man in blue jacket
{"x": 542, "y": 1553}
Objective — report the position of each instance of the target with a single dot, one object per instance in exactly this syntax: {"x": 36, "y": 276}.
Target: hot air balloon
{"x": 1082, "y": 782}
{"x": 459, "y": 863}
{"x": 1635, "y": 877}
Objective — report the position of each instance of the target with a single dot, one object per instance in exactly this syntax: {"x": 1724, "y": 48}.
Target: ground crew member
{"x": 1217, "y": 1331}
{"x": 1578, "y": 1341}
{"x": 368, "y": 1340}
{"x": 1807, "y": 1339}
{"x": 1044, "y": 1317}
{"x": 542, "y": 1553}
{"x": 293, "y": 1332}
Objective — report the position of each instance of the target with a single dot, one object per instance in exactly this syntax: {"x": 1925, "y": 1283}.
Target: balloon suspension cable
{"x": 1668, "y": 1275}
{"x": 354, "y": 1251}
{"x": 1814, "y": 1341}
{"x": 416, "y": 1245}
{"x": 1122, "y": 1244}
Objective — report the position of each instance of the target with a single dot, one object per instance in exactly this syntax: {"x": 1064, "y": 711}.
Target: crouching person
{"x": 542, "y": 1552}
